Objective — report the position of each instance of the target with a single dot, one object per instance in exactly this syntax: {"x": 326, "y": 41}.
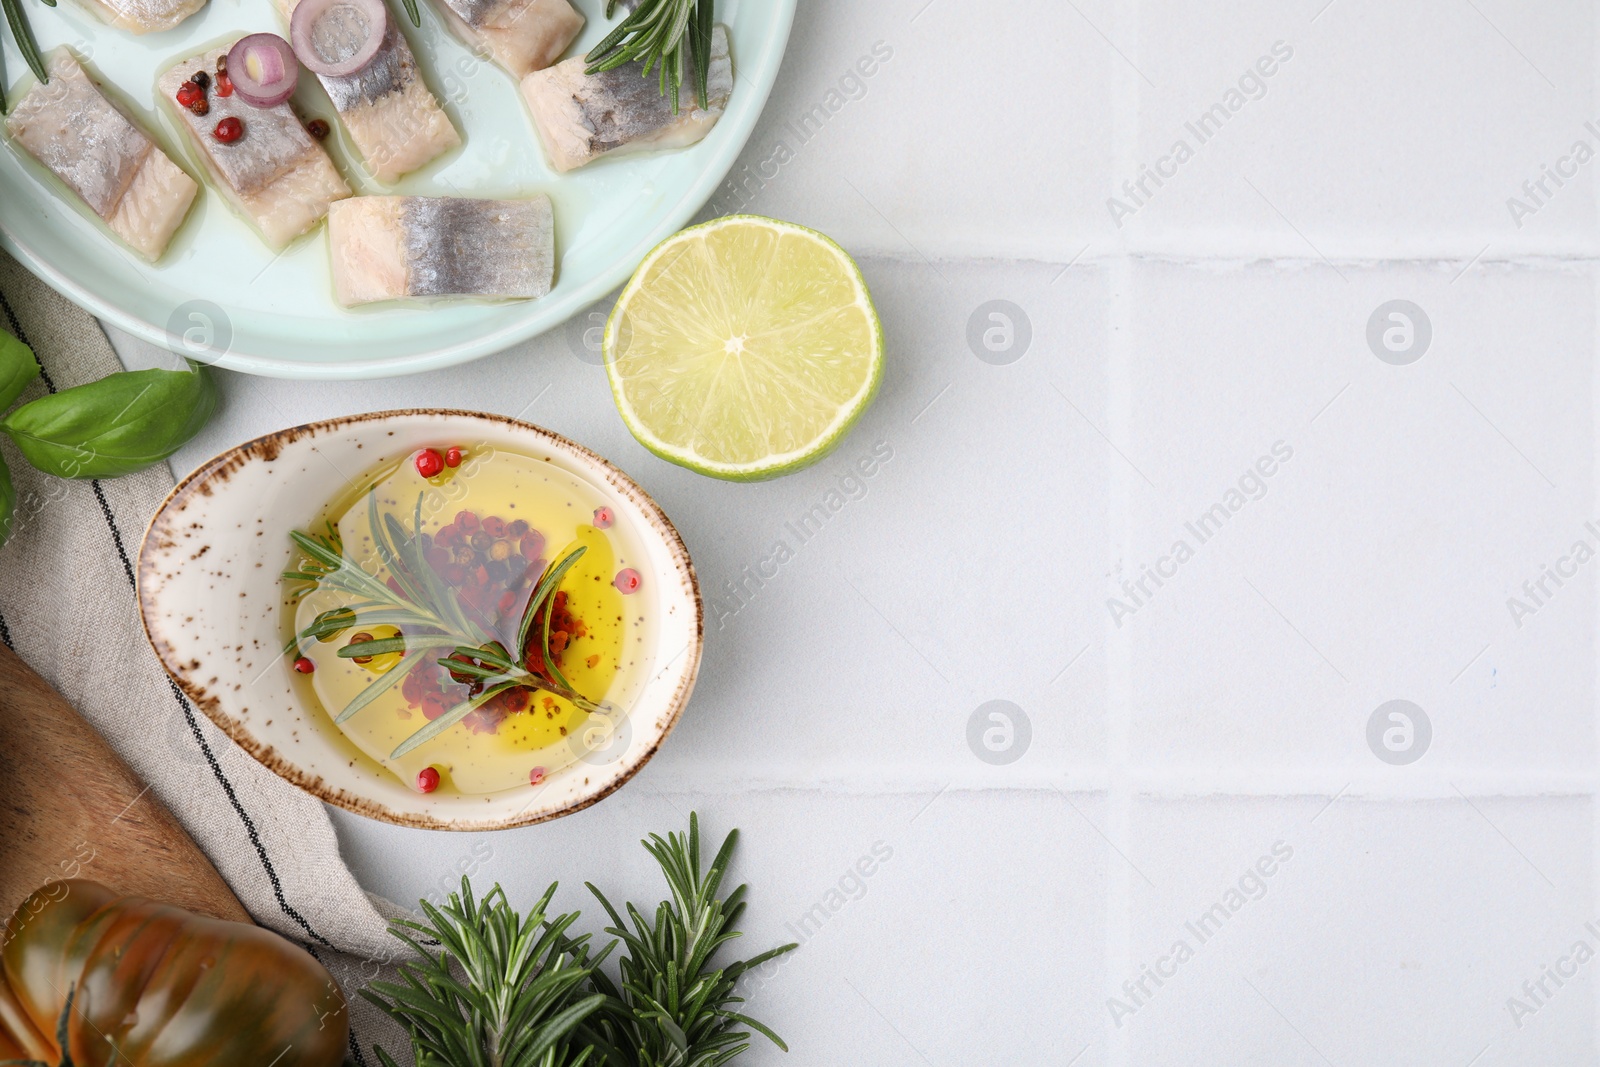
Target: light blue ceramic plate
{"x": 277, "y": 313}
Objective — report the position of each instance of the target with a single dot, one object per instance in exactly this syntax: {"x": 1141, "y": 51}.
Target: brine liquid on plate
{"x": 469, "y": 536}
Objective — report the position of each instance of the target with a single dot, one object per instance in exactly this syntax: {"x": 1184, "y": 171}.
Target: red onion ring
{"x": 337, "y": 38}
{"x": 263, "y": 69}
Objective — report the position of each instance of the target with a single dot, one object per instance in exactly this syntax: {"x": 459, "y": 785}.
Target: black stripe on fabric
{"x": 183, "y": 703}
{"x": 16, "y": 331}
{"x": 355, "y": 1046}
{"x": 19, "y": 334}
{"x": 211, "y": 758}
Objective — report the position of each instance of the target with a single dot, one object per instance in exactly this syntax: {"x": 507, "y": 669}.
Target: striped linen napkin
{"x": 68, "y": 608}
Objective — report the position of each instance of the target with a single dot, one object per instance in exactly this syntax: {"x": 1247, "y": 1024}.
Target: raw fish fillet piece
{"x": 582, "y": 117}
{"x": 144, "y": 16}
{"x": 418, "y": 247}
{"x": 393, "y": 119}
{"x": 521, "y": 35}
{"x": 276, "y": 175}
{"x": 85, "y": 140}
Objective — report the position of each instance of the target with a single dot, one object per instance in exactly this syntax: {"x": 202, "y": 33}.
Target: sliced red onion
{"x": 337, "y": 38}
{"x": 263, "y": 69}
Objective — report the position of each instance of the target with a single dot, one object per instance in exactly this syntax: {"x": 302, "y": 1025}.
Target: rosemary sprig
{"x": 674, "y": 1005}
{"x": 507, "y": 991}
{"x": 501, "y": 990}
{"x": 665, "y": 36}
{"x": 22, "y": 33}
{"x": 432, "y": 618}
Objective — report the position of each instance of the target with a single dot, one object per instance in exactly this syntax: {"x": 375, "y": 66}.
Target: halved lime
{"x": 744, "y": 348}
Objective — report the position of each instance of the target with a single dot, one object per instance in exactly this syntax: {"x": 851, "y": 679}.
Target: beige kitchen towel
{"x": 68, "y": 608}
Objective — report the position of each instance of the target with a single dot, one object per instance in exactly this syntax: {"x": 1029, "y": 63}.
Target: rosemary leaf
{"x": 369, "y": 616}
{"x": 388, "y": 553}
{"x": 472, "y": 670}
{"x": 317, "y": 549}
{"x": 383, "y": 683}
{"x": 341, "y": 570}
{"x": 700, "y": 50}
{"x": 435, "y": 585}
{"x": 22, "y": 33}
{"x": 545, "y": 589}
{"x": 450, "y": 718}
{"x": 380, "y": 647}
{"x": 760, "y": 1028}
{"x": 492, "y": 653}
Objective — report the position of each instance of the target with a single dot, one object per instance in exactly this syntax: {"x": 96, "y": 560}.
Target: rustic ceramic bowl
{"x": 211, "y": 596}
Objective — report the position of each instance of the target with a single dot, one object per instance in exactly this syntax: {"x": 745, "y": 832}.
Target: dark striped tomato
{"x": 157, "y": 986}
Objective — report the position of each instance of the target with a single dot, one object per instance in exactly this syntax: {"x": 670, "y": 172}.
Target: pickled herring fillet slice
{"x": 393, "y": 119}
{"x": 276, "y": 175}
{"x": 85, "y": 140}
{"x": 521, "y": 35}
{"x": 421, "y": 247}
{"x": 150, "y": 212}
{"x": 582, "y": 117}
{"x": 143, "y": 16}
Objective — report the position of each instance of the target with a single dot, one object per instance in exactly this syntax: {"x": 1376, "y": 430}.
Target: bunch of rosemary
{"x": 667, "y": 36}
{"x": 504, "y": 991}
{"x": 500, "y": 990}
{"x": 674, "y": 1007}
{"x": 664, "y": 35}
{"x": 431, "y": 618}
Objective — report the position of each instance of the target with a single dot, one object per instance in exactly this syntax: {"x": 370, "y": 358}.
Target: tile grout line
{"x": 1594, "y": 395}
{"x": 1120, "y": 789}
{"x": 1184, "y": 782}
{"x": 1594, "y": 800}
{"x": 1121, "y": 486}
{"x": 1212, "y": 252}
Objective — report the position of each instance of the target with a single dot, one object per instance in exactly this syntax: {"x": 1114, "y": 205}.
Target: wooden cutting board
{"x": 70, "y": 808}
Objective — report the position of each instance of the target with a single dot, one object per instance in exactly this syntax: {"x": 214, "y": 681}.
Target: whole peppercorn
{"x": 429, "y": 463}
{"x": 193, "y": 97}
{"x": 319, "y": 129}
{"x": 202, "y": 79}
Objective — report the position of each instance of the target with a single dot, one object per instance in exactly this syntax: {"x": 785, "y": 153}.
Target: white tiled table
{"x": 1226, "y": 715}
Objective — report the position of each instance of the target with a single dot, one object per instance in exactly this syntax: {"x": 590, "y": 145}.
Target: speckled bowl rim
{"x": 269, "y": 758}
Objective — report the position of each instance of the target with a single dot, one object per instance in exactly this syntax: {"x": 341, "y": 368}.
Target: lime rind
{"x": 772, "y": 465}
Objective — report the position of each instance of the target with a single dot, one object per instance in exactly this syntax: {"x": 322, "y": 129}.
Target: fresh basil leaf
{"x": 8, "y": 501}
{"x": 120, "y": 424}
{"x": 17, "y": 369}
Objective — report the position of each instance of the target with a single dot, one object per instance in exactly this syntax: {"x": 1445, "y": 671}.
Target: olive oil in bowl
{"x": 463, "y": 688}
